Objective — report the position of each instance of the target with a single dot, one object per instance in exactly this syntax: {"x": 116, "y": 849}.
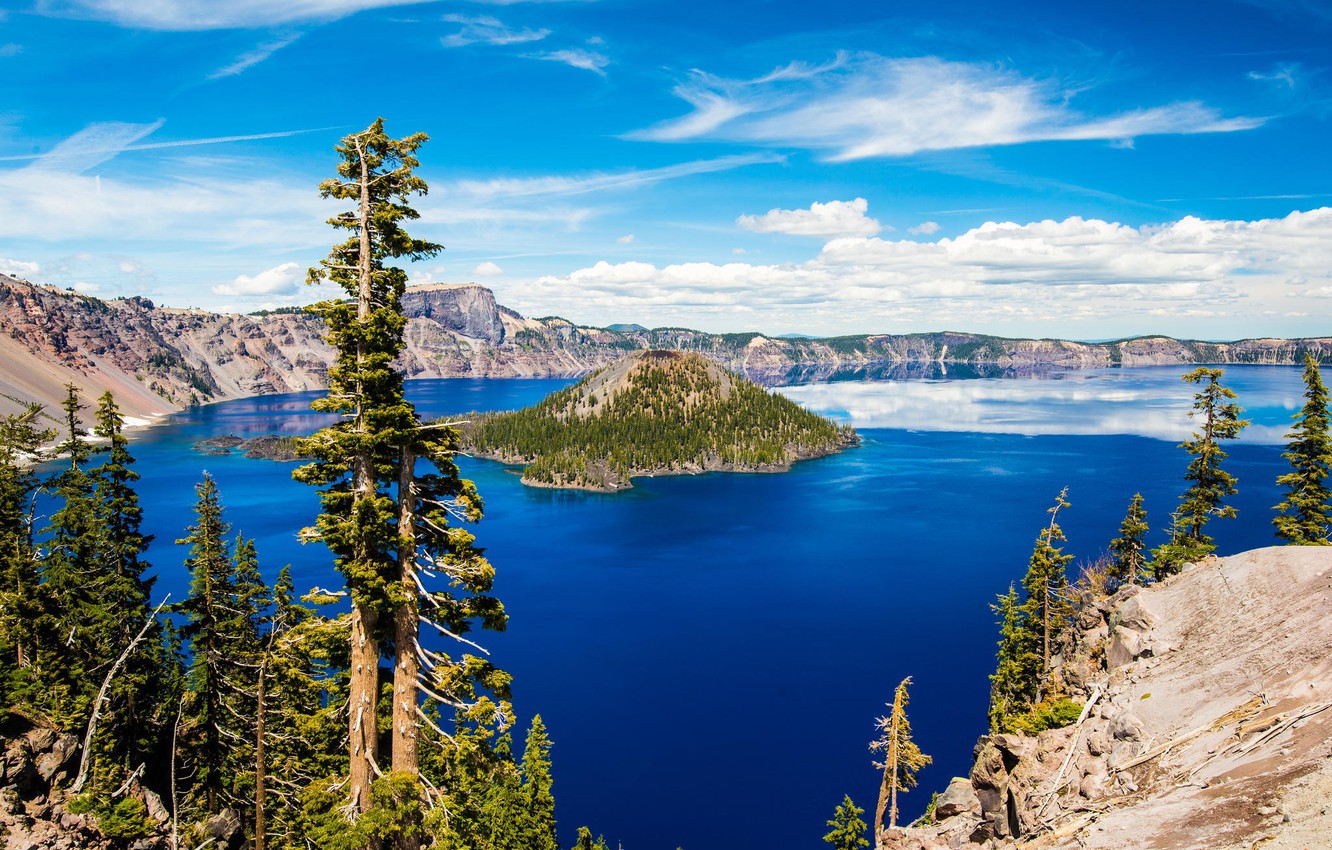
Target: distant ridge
{"x": 160, "y": 359}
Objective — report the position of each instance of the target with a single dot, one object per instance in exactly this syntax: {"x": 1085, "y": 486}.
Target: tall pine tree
{"x": 1304, "y": 516}
{"x": 383, "y": 522}
{"x": 21, "y": 437}
{"x": 848, "y": 830}
{"x": 1210, "y": 484}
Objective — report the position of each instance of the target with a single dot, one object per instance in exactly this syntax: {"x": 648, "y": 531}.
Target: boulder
{"x": 957, "y": 798}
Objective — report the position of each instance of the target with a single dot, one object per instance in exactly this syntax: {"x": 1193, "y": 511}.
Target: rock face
{"x": 157, "y": 359}
{"x": 1208, "y": 723}
{"x": 37, "y": 763}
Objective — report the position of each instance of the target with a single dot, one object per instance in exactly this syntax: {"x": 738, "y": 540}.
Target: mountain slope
{"x": 653, "y": 413}
{"x": 1211, "y": 725}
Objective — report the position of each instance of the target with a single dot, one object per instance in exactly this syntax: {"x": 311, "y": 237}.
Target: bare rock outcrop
{"x": 1207, "y": 722}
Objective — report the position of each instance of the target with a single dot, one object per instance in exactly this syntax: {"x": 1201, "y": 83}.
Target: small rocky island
{"x": 653, "y": 413}
{"x": 266, "y": 447}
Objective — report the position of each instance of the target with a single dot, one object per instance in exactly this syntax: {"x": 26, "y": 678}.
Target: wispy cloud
{"x": 488, "y": 30}
{"x": 525, "y": 187}
{"x": 585, "y": 60}
{"x": 827, "y": 221}
{"x": 181, "y": 15}
{"x": 8, "y": 50}
{"x": 248, "y": 60}
{"x": 1106, "y": 278}
{"x": 866, "y": 105}
{"x": 103, "y": 141}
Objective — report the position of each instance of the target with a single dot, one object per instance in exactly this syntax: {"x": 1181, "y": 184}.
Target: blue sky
{"x": 1078, "y": 170}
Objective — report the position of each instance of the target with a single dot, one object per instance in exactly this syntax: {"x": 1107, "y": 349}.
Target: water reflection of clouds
{"x": 1147, "y": 403}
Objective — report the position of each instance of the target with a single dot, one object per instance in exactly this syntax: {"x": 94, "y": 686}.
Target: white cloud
{"x": 586, "y": 60}
{"x": 18, "y": 268}
{"x": 180, "y": 15}
{"x": 865, "y": 105}
{"x": 488, "y": 30}
{"x": 835, "y": 218}
{"x": 626, "y": 239}
{"x": 8, "y": 50}
{"x": 487, "y": 269}
{"x": 279, "y": 280}
{"x": 98, "y": 143}
{"x": 925, "y": 228}
{"x": 248, "y": 60}
{"x": 1106, "y": 278}
{"x": 86, "y": 288}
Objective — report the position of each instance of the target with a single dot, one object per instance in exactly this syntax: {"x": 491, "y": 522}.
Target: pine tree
{"x": 902, "y": 760}
{"x": 1017, "y": 670}
{"x": 21, "y": 438}
{"x": 537, "y": 782}
{"x": 1128, "y": 560}
{"x": 848, "y": 830}
{"x": 221, "y": 625}
{"x": 381, "y": 519}
{"x": 1046, "y": 610}
{"x": 1304, "y": 517}
{"x": 69, "y": 592}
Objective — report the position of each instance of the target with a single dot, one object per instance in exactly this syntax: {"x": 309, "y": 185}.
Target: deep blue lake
{"x": 710, "y": 652}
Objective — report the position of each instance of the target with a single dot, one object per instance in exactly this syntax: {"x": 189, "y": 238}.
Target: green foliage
{"x": 1304, "y": 516}
{"x": 125, "y": 819}
{"x": 670, "y": 413}
{"x": 1210, "y": 484}
{"x": 1051, "y": 713}
{"x": 847, "y": 829}
{"x": 539, "y": 802}
{"x": 1128, "y": 560}
{"x": 1031, "y": 629}
{"x": 585, "y": 841}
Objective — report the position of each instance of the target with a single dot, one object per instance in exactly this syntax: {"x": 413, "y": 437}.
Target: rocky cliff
{"x": 1207, "y": 723}
{"x": 158, "y": 359}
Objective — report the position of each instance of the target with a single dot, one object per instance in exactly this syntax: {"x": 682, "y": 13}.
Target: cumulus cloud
{"x": 585, "y": 60}
{"x": 18, "y": 268}
{"x": 487, "y": 269}
{"x": 488, "y": 30}
{"x": 182, "y": 15}
{"x": 835, "y": 218}
{"x": 866, "y": 105}
{"x": 279, "y": 280}
{"x": 1108, "y": 278}
{"x": 925, "y": 228}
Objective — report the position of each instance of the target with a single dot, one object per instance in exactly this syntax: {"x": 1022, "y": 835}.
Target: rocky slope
{"x": 1208, "y": 723}
{"x": 158, "y": 359}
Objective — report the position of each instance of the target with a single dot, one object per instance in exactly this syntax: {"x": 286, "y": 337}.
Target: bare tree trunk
{"x": 84, "y": 760}
{"x": 363, "y": 688}
{"x": 362, "y": 703}
{"x": 406, "y": 669}
{"x": 894, "y": 754}
{"x": 260, "y": 768}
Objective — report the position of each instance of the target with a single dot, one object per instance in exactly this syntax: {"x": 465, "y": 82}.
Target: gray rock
{"x": 1125, "y": 726}
{"x": 957, "y": 798}
{"x": 55, "y": 763}
{"x": 225, "y": 829}
{"x": 1125, "y": 646}
{"x": 1131, "y": 614}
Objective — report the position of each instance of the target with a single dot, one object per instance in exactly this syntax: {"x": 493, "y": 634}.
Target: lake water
{"x": 710, "y": 652}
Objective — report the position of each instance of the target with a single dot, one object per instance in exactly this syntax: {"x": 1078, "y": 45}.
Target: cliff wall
{"x": 1207, "y": 723}
{"x": 158, "y": 359}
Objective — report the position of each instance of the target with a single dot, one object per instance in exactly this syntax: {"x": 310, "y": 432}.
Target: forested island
{"x": 653, "y": 413}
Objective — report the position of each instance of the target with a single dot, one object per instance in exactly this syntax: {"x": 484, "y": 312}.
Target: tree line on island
{"x": 1027, "y": 694}
{"x": 247, "y": 713}
{"x": 653, "y": 412}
